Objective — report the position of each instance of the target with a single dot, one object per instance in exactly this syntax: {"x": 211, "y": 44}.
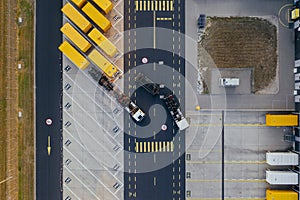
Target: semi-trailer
{"x": 281, "y": 120}
{"x": 109, "y": 48}
{"x": 147, "y": 84}
{"x": 79, "y": 3}
{"x": 174, "y": 109}
{"x": 135, "y": 112}
{"x": 99, "y": 60}
{"x": 76, "y": 17}
{"x": 105, "y": 5}
{"x": 96, "y": 16}
{"x": 79, "y": 60}
{"x": 75, "y": 37}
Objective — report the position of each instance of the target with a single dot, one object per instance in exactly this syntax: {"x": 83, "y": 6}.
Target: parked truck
{"x": 229, "y": 82}
{"x": 135, "y": 112}
{"x": 99, "y": 60}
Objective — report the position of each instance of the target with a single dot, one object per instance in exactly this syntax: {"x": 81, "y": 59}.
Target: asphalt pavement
{"x": 48, "y": 100}
{"x": 154, "y": 175}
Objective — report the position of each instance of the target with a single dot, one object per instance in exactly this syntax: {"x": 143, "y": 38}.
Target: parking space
{"x": 246, "y": 141}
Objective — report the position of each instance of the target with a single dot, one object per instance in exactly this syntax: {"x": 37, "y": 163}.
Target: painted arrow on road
{"x": 49, "y": 146}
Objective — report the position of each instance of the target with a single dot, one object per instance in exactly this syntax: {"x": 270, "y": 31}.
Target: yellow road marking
{"x": 145, "y": 6}
{"x": 156, "y": 146}
{"x": 172, "y": 146}
{"x": 149, "y": 147}
{"x": 155, "y": 6}
{"x": 159, "y": 5}
{"x": 171, "y": 6}
{"x": 137, "y": 147}
{"x": 168, "y": 146}
{"x": 136, "y": 5}
{"x": 164, "y": 5}
{"x": 164, "y": 146}
{"x": 168, "y": 5}
{"x": 229, "y": 180}
{"x": 152, "y": 144}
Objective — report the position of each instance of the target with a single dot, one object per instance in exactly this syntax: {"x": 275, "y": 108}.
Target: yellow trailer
{"x": 108, "y": 47}
{"x": 79, "y": 60}
{"x": 105, "y": 5}
{"x": 295, "y": 14}
{"x": 75, "y": 37}
{"x": 76, "y": 17}
{"x": 109, "y": 69}
{"x": 281, "y": 195}
{"x": 79, "y": 3}
{"x": 281, "y": 120}
{"x": 96, "y": 16}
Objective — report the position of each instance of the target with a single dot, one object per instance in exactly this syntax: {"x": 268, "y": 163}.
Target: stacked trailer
{"x": 96, "y": 16}
{"x": 136, "y": 113}
{"x": 75, "y": 37}
{"x": 105, "y": 5}
{"x": 103, "y": 42}
{"x": 76, "y": 17}
{"x": 79, "y": 60}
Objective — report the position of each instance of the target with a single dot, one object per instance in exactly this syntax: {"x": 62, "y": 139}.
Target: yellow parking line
{"x": 171, "y": 6}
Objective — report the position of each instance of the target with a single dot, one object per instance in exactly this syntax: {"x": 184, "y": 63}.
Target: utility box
{"x": 229, "y": 82}
{"x": 281, "y": 177}
{"x": 282, "y": 158}
{"x": 281, "y": 195}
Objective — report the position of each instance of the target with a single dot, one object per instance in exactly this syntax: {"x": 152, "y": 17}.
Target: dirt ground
{"x": 241, "y": 42}
{"x": 16, "y": 94}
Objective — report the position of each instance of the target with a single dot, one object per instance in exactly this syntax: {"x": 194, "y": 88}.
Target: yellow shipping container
{"x": 281, "y": 120}
{"x": 79, "y": 3}
{"x": 96, "y": 16}
{"x": 108, "y": 47}
{"x": 105, "y": 5}
{"x": 76, "y": 17}
{"x": 110, "y": 70}
{"x": 75, "y": 37}
{"x": 73, "y": 55}
{"x": 281, "y": 195}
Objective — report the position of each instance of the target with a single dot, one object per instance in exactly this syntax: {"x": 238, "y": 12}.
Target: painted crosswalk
{"x": 154, "y": 146}
{"x": 154, "y": 5}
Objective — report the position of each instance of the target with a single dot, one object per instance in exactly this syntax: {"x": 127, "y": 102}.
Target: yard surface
{"x": 242, "y": 42}
{"x": 16, "y": 94}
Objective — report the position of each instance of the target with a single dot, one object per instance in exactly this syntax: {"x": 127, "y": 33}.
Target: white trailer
{"x": 281, "y": 177}
{"x": 282, "y": 158}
